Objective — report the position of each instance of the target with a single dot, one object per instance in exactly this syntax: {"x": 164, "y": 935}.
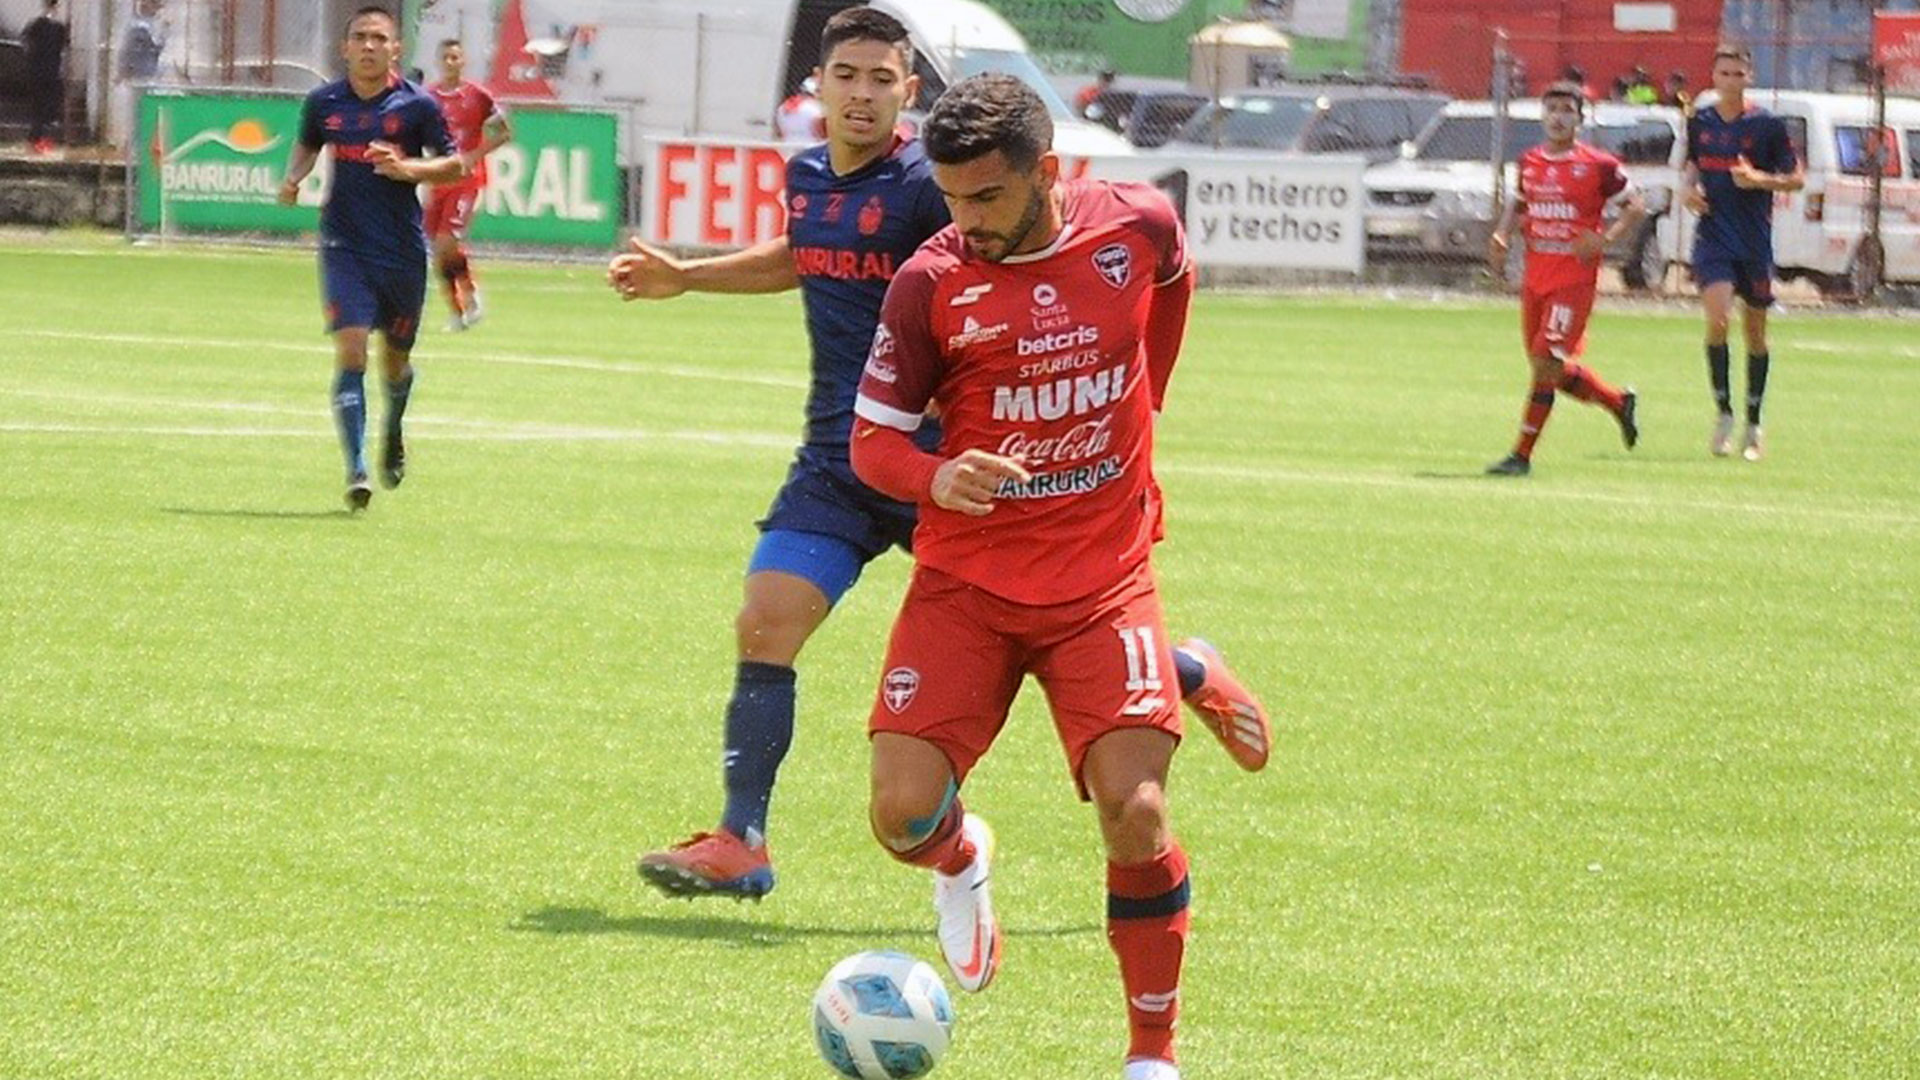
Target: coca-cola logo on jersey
{"x": 1082, "y": 441}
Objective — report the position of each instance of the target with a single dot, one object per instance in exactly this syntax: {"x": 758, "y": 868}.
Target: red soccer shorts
{"x": 958, "y": 654}
{"x": 1554, "y": 322}
{"x": 450, "y": 209}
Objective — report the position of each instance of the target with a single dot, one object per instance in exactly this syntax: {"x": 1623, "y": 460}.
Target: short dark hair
{"x": 1565, "y": 88}
{"x": 370, "y": 9}
{"x": 445, "y": 42}
{"x": 1733, "y": 52}
{"x": 866, "y": 24}
{"x": 985, "y": 113}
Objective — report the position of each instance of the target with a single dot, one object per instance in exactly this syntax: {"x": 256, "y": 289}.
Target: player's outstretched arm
{"x": 1501, "y": 238}
{"x": 1696, "y": 196}
{"x": 393, "y": 163}
{"x": 648, "y": 273}
{"x": 1745, "y": 175}
{"x": 299, "y": 164}
{"x": 1167, "y": 330}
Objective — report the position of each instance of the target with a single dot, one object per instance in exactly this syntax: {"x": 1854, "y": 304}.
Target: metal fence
{"x": 1433, "y": 141}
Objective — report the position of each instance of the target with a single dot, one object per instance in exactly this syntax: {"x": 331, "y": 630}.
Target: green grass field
{"x": 1612, "y": 772}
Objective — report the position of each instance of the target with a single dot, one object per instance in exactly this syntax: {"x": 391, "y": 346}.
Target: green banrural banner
{"x": 213, "y": 162}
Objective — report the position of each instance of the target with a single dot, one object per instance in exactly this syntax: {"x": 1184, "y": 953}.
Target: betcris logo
{"x": 1077, "y": 338}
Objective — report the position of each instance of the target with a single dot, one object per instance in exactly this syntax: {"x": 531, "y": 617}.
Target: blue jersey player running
{"x": 1737, "y": 157}
{"x": 858, "y": 205}
{"x": 387, "y": 137}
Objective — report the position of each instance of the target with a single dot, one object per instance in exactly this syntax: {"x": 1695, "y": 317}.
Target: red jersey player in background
{"x": 478, "y": 128}
{"x": 1042, "y": 326}
{"x": 1565, "y": 187}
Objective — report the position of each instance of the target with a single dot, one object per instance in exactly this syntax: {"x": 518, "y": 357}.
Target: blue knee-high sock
{"x": 759, "y": 731}
{"x": 350, "y": 413}
{"x": 397, "y": 392}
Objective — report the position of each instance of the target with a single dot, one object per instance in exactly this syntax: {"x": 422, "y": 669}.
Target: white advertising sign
{"x": 1301, "y": 213}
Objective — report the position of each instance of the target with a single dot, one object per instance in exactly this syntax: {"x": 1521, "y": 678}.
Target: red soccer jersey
{"x": 1566, "y": 195}
{"x": 1039, "y": 357}
{"x": 467, "y": 107}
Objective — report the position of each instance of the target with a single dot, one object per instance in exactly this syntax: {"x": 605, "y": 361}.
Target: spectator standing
{"x": 46, "y": 45}
{"x": 1091, "y": 92}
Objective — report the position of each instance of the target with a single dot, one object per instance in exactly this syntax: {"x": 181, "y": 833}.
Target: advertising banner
{"x": 1896, "y": 48}
{"x": 212, "y": 162}
{"x": 1302, "y": 213}
{"x": 557, "y": 183}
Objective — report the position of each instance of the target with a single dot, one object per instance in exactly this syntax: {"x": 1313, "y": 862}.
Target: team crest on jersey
{"x": 871, "y": 215}
{"x": 392, "y": 125}
{"x": 898, "y": 688}
{"x": 1115, "y": 263}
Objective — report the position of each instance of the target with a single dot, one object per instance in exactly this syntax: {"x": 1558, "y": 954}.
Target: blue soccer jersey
{"x": 848, "y": 235}
{"x": 367, "y": 214}
{"x": 1739, "y": 221}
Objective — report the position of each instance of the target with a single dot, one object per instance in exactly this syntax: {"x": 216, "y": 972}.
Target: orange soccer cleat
{"x": 1230, "y": 710}
{"x": 714, "y": 863}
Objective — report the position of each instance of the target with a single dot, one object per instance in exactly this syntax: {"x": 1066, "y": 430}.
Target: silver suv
{"x": 1436, "y": 201}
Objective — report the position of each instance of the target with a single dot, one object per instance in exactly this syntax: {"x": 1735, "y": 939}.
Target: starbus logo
{"x": 221, "y": 163}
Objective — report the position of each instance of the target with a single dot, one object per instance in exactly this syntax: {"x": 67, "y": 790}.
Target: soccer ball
{"x": 882, "y": 1016}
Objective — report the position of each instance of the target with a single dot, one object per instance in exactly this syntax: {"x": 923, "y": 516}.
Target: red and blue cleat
{"x": 1230, "y": 710}
{"x": 714, "y": 863}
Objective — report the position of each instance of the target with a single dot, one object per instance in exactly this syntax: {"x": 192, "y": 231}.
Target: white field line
{"x": 467, "y": 431}
{"x": 577, "y": 363}
{"x": 463, "y": 430}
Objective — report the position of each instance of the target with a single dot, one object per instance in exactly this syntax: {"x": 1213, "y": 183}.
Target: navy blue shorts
{"x": 859, "y": 523}
{"x": 1752, "y": 278}
{"x": 359, "y": 292}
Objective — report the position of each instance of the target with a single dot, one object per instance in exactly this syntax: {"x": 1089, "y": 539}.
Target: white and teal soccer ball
{"x": 882, "y": 1016}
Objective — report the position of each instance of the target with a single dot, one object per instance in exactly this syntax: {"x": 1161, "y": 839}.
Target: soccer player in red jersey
{"x": 478, "y": 128}
{"x": 1565, "y": 186}
{"x": 1042, "y": 326}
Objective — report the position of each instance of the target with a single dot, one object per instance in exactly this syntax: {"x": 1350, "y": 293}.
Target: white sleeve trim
{"x": 1185, "y": 269}
{"x": 885, "y": 415}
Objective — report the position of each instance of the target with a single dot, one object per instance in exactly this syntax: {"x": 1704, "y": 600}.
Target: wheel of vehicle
{"x": 1645, "y": 266}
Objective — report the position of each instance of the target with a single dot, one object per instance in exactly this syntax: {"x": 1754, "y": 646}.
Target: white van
{"x": 719, "y": 67}
{"x": 1817, "y": 231}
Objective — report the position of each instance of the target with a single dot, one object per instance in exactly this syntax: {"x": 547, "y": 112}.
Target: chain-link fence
{"x": 1852, "y": 234}
{"x": 1432, "y": 129}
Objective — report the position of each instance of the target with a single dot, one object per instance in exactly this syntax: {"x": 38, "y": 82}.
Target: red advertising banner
{"x": 1896, "y": 48}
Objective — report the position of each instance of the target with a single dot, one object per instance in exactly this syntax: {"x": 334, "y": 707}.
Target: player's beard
{"x": 1013, "y": 238}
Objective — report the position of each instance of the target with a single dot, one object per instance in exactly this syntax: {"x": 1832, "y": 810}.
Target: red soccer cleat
{"x": 1230, "y": 710}
{"x": 714, "y": 863}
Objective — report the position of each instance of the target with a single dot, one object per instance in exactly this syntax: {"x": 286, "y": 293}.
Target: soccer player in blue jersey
{"x": 857, "y": 205}
{"x": 388, "y": 136}
{"x": 1738, "y": 156}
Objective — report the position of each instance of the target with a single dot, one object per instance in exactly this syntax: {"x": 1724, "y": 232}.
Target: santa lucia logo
{"x": 898, "y": 688}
